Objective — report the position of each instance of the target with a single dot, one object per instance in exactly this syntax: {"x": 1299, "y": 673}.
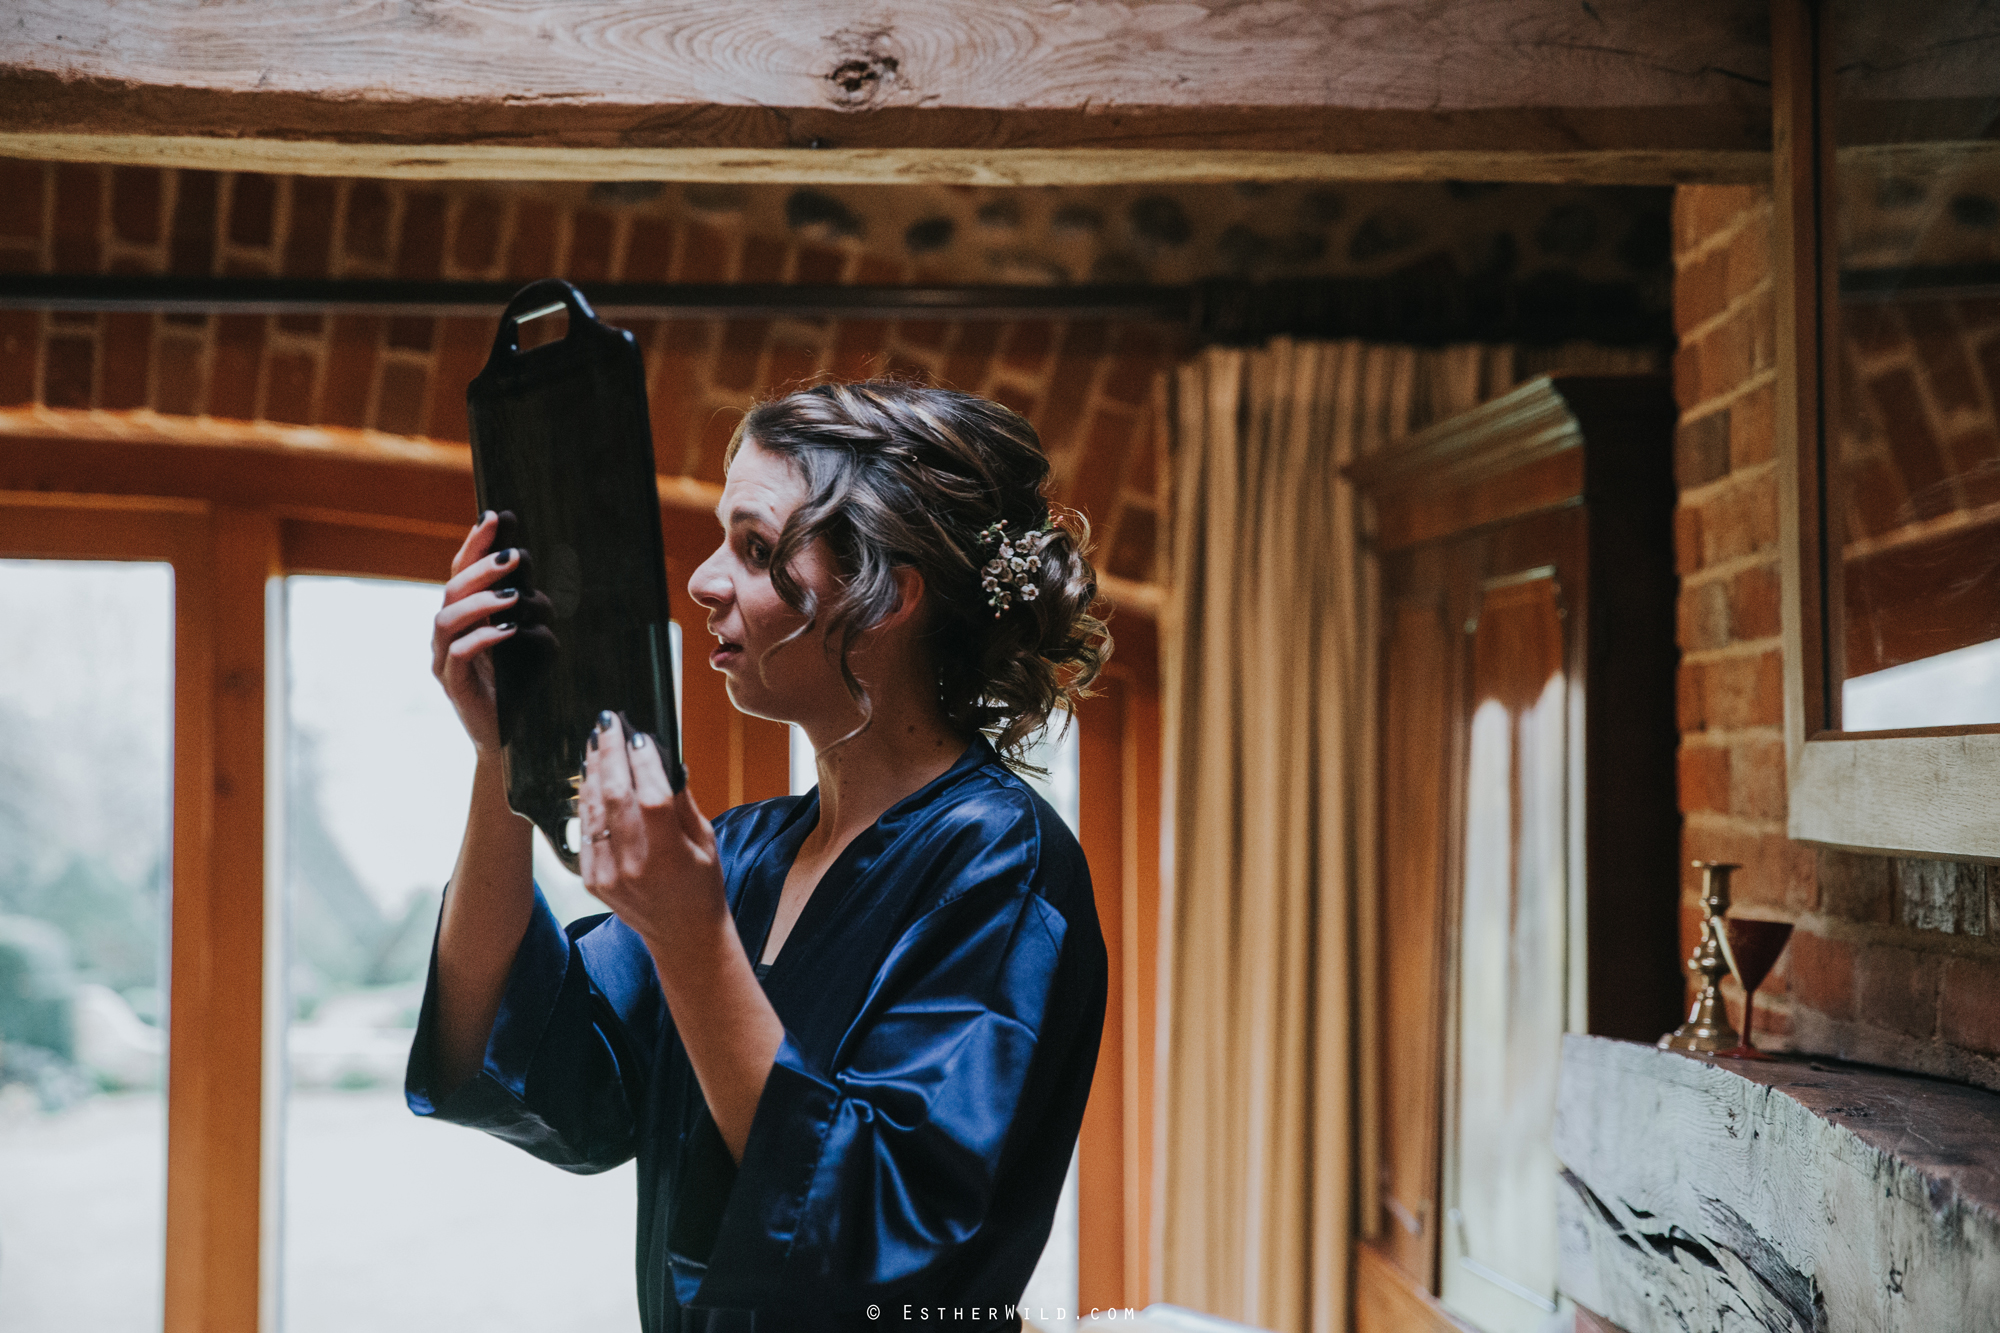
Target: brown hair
{"x": 898, "y": 473}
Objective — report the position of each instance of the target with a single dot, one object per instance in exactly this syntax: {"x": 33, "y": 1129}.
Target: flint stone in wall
{"x": 1947, "y": 896}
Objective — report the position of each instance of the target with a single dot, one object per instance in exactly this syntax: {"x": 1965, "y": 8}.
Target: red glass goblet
{"x": 1754, "y": 947}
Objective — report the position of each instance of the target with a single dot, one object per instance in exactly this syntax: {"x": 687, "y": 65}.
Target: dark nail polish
{"x": 503, "y": 624}
{"x": 486, "y": 516}
{"x": 605, "y": 719}
{"x": 593, "y": 738}
{"x": 638, "y": 740}
{"x": 505, "y": 558}
{"x": 506, "y": 594}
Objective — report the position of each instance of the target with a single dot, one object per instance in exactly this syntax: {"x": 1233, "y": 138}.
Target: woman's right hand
{"x": 463, "y": 635}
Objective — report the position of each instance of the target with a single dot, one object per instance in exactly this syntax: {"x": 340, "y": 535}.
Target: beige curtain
{"x": 1269, "y": 698}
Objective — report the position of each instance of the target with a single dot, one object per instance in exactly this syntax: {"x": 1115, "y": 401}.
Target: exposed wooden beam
{"x": 1410, "y": 306}
{"x": 998, "y": 92}
{"x": 231, "y": 295}
{"x": 890, "y": 166}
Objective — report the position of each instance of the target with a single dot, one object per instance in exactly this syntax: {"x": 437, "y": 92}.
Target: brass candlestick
{"x": 1707, "y": 1028}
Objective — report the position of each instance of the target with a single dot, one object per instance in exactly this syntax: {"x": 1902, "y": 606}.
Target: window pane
{"x": 86, "y": 671}
{"x": 1054, "y": 752}
{"x": 805, "y": 766}
{"x": 1050, "y": 1298}
{"x": 393, "y": 1223}
{"x": 1954, "y": 689}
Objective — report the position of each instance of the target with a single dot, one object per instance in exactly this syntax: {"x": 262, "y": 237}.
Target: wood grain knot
{"x": 867, "y": 69}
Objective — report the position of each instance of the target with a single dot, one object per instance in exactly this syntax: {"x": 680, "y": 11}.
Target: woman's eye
{"x": 759, "y": 553}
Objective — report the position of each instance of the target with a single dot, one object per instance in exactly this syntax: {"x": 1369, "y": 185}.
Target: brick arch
{"x": 1088, "y": 386}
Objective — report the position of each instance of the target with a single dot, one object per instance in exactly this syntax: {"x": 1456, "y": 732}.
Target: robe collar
{"x": 761, "y": 879}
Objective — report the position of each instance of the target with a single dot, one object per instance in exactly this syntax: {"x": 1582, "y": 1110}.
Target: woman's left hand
{"x": 648, "y": 854}
{"x": 650, "y": 857}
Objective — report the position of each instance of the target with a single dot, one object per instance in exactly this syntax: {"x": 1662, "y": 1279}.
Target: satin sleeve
{"x": 567, "y": 1062}
{"x": 865, "y": 1177}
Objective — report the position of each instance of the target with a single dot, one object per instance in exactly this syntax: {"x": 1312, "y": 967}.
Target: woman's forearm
{"x": 727, "y": 1026}
{"x": 486, "y": 910}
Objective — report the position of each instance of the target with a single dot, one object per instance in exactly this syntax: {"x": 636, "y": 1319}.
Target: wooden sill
{"x": 1828, "y": 1194}
{"x": 1389, "y": 1300}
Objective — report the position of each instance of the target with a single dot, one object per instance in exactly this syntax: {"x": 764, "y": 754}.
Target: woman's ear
{"x": 909, "y": 594}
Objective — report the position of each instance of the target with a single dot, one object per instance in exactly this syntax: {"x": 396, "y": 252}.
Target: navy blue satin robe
{"x": 942, "y": 996}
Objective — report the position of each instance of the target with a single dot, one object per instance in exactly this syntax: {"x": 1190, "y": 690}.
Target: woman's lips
{"x": 724, "y": 654}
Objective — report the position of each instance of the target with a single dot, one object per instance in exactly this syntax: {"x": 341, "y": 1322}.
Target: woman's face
{"x": 799, "y": 682}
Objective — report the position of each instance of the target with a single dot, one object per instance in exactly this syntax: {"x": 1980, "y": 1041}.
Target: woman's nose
{"x": 709, "y": 586}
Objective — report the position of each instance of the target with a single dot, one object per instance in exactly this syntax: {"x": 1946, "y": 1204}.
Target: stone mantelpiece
{"x": 1796, "y": 1194}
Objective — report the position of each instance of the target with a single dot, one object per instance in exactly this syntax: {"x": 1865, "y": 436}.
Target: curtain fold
{"x": 1269, "y": 718}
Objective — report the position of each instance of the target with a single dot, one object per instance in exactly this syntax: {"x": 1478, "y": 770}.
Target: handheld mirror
{"x": 562, "y": 448}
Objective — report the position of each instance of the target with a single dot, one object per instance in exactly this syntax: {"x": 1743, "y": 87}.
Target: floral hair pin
{"x": 1009, "y": 568}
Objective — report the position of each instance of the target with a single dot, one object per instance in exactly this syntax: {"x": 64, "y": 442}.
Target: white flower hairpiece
{"x": 1009, "y": 570}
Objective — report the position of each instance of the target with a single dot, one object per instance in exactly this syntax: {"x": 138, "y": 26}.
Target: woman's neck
{"x": 902, "y": 750}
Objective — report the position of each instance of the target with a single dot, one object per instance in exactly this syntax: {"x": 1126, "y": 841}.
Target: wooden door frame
{"x": 1119, "y": 824}
{"x": 215, "y": 1217}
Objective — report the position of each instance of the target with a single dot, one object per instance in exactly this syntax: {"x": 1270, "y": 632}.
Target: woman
{"x": 849, "y": 1035}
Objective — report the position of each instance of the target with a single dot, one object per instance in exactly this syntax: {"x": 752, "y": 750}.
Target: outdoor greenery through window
{"x": 86, "y": 707}
{"x": 392, "y": 1223}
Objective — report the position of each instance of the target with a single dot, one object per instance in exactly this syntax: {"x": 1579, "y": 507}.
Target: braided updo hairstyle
{"x": 899, "y": 473}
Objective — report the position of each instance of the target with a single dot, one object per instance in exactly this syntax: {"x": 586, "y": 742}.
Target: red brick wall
{"x": 1894, "y": 961}
{"x": 1086, "y": 385}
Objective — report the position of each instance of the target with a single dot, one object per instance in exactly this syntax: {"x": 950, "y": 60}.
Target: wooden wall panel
{"x": 45, "y": 526}
{"x": 248, "y": 466}
{"x": 1101, "y": 1164}
{"x": 1119, "y": 799}
{"x": 1416, "y": 726}
{"x": 760, "y": 750}
{"x": 1388, "y": 1300}
{"x": 1144, "y": 802}
{"x": 313, "y": 546}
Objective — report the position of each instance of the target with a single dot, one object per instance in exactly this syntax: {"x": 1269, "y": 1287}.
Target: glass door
{"x": 392, "y": 1223}
{"x": 86, "y": 699}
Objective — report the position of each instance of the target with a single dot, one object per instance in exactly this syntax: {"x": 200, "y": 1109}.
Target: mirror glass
{"x": 1913, "y": 443}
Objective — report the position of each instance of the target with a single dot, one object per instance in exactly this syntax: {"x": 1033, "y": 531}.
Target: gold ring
{"x": 600, "y": 835}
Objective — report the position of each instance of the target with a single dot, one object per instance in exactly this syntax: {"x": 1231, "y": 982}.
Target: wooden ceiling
{"x": 895, "y": 91}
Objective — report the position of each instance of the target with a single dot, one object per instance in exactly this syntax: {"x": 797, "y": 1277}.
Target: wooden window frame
{"x": 1119, "y": 807}
{"x": 215, "y": 1068}
{"x": 1908, "y": 792}
{"x": 232, "y": 506}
